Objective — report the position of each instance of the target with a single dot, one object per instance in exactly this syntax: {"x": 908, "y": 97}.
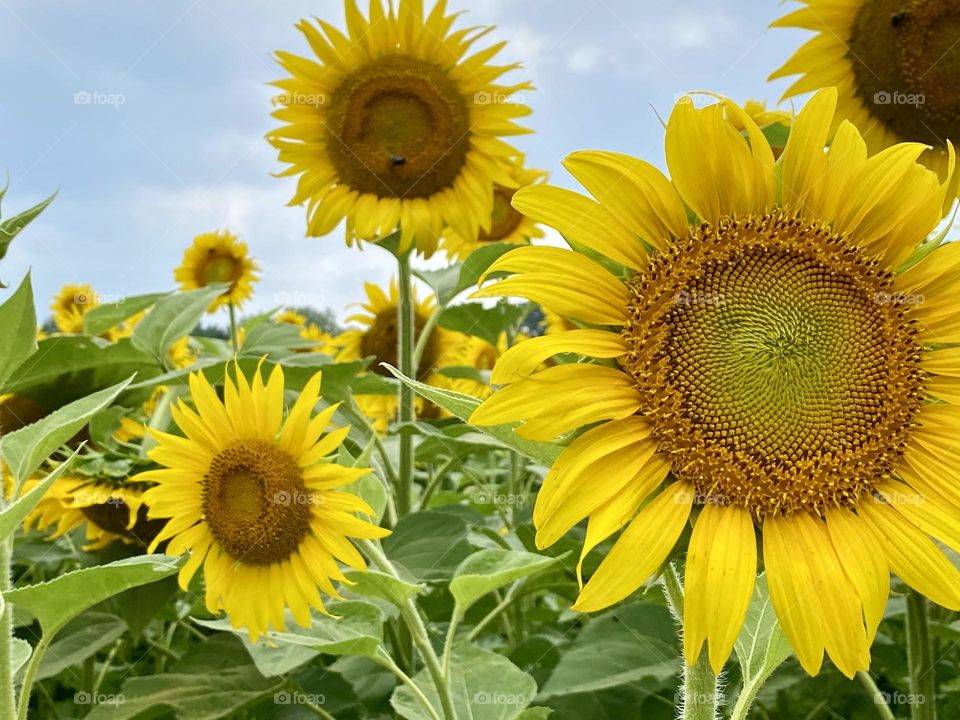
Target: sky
{"x": 149, "y": 117}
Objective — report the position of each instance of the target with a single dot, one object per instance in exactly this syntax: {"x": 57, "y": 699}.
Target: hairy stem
{"x": 405, "y": 357}
{"x": 920, "y": 660}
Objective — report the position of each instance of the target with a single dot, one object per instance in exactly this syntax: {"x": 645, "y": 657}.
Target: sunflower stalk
{"x": 700, "y": 688}
{"x": 406, "y": 401}
{"x": 920, "y": 659}
{"x": 7, "y": 701}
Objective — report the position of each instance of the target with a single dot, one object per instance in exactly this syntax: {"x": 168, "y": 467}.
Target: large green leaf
{"x": 18, "y": 318}
{"x": 83, "y": 637}
{"x": 25, "y": 449}
{"x": 429, "y": 544}
{"x": 484, "y": 685}
{"x": 630, "y": 644}
{"x": 103, "y": 317}
{"x": 488, "y": 323}
{"x": 353, "y": 628}
{"x": 173, "y": 317}
{"x": 463, "y": 406}
{"x": 453, "y": 280}
{"x": 761, "y": 646}
{"x": 67, "y": 368}
{"x": 195, "y": 695}
{"x": 14, "y": 514}
{"x": 492, "y": 568}
{"x": 57, "y": 601}
{"x": 375, "y": 584}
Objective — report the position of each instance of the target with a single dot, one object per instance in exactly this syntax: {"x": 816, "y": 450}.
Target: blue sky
{"x": 172, "y": 145}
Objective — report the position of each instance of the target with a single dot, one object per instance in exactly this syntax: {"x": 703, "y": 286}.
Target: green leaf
{"x": 18, "y": 318}
{"x": 13, "y": 514}
{"x": 761, "y": 646}
{"x": 25, "y": 449}
{"x": 776, "y": 134}
{"x": 273, "y": 339}
{"x": 484, "y": 685}
{"x": 630, "y": 644}
{"x": 101, "y": 318}
{"x": 11, "y": 227}
{"x": 376, "y": 584}
{"x": 483, "y": 322}
{"x": 69, "y": 367}
{"x": 489, "y": 569}
{"x": 535, "y": 713}
{"x": 84, "y": 637}
{"x": 173, "y": 317}
{"x": 193, "y": 695}
{"x": 20, "y": 652}
{"x": 57, "y": 601}
{"x": 354, "y": 627}
{"x": 453, "y": 280}
{"x": 429, "y": 544}
{"x": 463, "y": 406}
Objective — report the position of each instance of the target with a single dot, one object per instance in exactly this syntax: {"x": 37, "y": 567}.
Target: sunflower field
{"x": 670, "y": 436}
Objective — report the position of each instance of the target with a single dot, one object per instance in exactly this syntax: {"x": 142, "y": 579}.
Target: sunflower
{"x": 554, "y": 323}
{"x": 218, "y": 257}
{"x": 70, "y": 305}
{"x": 764, "y": 364}
{"x": 109, "y": 511}
{"x": 378, "y": 338}
{"x": 894, "y": 64}
{"x": 471, "y": 352}
{"x": 253, "y": 498}
{"x": 323, "y": 342}
{"x": 394, "y": 124}
{"x": 507, "y": 225}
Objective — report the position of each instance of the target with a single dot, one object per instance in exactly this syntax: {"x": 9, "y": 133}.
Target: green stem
{"x": 448, "y": 644}
{"x": 920, "y": 660}
{"x": 425, "y": 333}
{"x": 7, "y": 701}
{"x": 418, "y": 631}
{"x": 492, "y": 615}
{"x": 29, "y": 674}
{"x": 699, "y": 682}
{"x": 405, "y": 358}
{"x": 883, "y": 710}
{"x": 386, "y": 661}
{"x": 234, "y": 336}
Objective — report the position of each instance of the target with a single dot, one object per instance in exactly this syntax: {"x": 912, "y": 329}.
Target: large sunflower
{"x": 764, "y": 364}
{"x": 894, "y": 64}
{"x": 253, "y": 498}
{"x": 507, "y": 224}
{"x": 393, "y": 124}
{"x": 218, "y": 257}
{"x": 378, "y": 338}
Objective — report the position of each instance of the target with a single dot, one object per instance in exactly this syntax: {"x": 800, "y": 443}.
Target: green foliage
{"x": 13, "y": 226}
{"x": 19, "y": 322}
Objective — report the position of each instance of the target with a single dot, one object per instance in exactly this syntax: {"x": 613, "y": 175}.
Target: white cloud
{"x": 584, "y": 60}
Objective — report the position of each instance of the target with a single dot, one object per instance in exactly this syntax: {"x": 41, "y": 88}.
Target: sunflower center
{"x": 779, "y": 370}
{"x": 905, "y": 62}
{"x": 382, "y": 338}
{"x": 505, "y": 219}
{"x": 398, "y": 127}
{"x": 255, "y": 502}
{"x": 217, "y": 269}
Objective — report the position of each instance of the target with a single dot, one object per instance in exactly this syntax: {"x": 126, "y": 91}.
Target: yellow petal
{"x": 524, "y": 358}
{"x": 640, "y": 550}
{"x": 721, "y": 570}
